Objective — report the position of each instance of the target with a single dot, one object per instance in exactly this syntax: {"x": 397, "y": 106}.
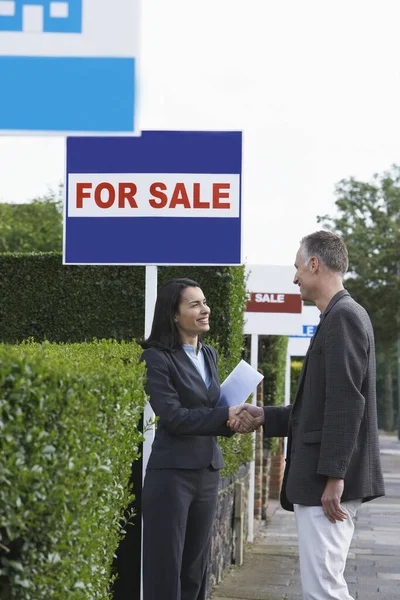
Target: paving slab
{"x": 271, "y": 568}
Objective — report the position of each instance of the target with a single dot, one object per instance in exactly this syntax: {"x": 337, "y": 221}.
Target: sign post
{"x": 274, "y": 307}
{"x": 252, "y": 473}
{"x": 165, "y": 198}
{"x": 148, "y": 414}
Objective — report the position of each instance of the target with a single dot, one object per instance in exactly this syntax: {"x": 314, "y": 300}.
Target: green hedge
{"x": 43, "y": 299}
{"x": 46, "y": 300}
{"x": 68, "y": 436}
{"x": 272, "y": 361}
{"x": 34, "y": 226}
{"x": 295, "y": 370}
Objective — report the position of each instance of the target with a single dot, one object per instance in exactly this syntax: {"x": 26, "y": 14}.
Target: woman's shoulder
{"x": 152, "y": 353}
{"x": 156, "y": 354}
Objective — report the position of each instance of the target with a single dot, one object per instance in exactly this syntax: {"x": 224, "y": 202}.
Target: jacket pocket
{"x": 312, "y": 437}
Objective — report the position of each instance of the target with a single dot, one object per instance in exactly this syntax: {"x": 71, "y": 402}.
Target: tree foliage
{"x": 368, "y": 219}
{"x": 32, "y": 227}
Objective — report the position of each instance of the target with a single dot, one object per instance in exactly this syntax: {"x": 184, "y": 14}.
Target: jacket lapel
{"x": 213, "y": 392}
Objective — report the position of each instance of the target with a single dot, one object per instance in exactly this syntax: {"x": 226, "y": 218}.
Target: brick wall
{"x": 276, "y": 472}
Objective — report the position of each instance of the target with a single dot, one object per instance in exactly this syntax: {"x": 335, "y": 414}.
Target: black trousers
{"x": 178, "y": 508}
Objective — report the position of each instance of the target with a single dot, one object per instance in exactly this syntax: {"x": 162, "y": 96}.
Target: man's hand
{"x": 245, "y": 418}
{"x": 331, "y": 500}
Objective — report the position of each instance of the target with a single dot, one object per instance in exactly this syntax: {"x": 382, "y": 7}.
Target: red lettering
{"x": 127, "y": 191}
{"x": 111, "y": 195}
{"x": 197, "y": 203}
{"x": 155, "y": 190}
{"x": 218, "y": 194}
{"x": 180, "y": 196}
{"x": 81, "y": 194}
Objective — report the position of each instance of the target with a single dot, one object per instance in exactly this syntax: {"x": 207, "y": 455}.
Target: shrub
{"x": 32, "y": 227}
{"x": 272, "y": 361}
{"x": 295, "y": 370}
{"x": 45, "y": 300}
{"x": 68, "y": 435}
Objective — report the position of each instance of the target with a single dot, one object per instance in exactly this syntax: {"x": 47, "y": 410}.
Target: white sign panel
{"x": 153, "y": 195}
{"x": 274, "y": 304}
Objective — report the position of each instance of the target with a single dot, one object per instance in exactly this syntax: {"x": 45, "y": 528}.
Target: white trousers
{"x": 323, "y": 550}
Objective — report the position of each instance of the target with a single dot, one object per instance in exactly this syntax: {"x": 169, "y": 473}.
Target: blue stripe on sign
{"x": 67, "y": 94}
{"x": 156, "y": 240}
{"x": 158, "y": 152}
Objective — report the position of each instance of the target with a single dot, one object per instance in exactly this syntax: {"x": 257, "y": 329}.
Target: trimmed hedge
{"x": 34, "y": 226}
{"x": 295, "y": 370}
{"x": 68, "y": 436}
{"x": 43, "y": 299}
{"x": 272, "y": 361}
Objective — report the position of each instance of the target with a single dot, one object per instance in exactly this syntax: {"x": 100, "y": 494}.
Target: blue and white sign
{"x": 308, "y": 331}
{"x": 68, "y": 66}
{"x": 167, "y": 197}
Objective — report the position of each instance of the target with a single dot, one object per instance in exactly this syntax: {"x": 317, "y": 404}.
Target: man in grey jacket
{"x": 333, "y": 462}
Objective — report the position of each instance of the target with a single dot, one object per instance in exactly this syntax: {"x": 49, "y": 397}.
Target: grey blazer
{"x": 188, "y": 419}
{"x": 332, "y": 426}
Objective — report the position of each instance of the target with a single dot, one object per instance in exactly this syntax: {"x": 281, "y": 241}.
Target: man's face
{"x": 304, "y": 277}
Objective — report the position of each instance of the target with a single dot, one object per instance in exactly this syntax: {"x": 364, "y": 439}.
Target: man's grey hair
{"x": 329, "y": 248}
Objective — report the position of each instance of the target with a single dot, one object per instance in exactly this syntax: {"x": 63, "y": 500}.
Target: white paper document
{"x": 239, "y": 384}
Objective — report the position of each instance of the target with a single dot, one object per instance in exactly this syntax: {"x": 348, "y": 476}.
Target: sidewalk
{"x": 271, "y": 571}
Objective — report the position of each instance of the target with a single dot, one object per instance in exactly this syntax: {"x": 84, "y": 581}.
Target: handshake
{"x": 245, "y": 418}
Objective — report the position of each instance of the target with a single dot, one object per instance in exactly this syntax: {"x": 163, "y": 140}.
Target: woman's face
{"x": 192, "y": 318}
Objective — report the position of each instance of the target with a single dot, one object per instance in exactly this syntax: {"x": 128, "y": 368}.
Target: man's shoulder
{"x": 348, "y": 305}
{"x": 349, "y": 310}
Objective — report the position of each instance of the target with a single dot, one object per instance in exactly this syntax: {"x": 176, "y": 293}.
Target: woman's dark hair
{"x": 164, "y": 332}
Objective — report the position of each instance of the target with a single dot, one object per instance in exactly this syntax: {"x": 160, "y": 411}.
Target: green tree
{"x": 368, "y": 219}
{"x": 32, "y": 227}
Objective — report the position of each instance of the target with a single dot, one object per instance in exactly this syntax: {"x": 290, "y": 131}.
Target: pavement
{"x": 271, "y": 568}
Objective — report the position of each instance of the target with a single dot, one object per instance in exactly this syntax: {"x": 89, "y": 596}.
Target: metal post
{"x": 287, "y": 386}
{"x": 148, "y": 415}
{"x": 254, "y": 364}
{"x": 150, "y": 301}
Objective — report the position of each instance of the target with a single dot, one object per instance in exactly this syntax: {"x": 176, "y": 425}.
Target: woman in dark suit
{"x": 180, "y": 491}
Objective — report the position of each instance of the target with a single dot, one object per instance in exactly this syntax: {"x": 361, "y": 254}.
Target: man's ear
{"x": 314, "y": 264}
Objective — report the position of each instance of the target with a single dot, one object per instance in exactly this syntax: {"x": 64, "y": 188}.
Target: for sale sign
{"x": 163, "y": 198}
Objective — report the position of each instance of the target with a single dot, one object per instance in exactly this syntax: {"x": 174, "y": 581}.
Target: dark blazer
{"x": 332, "y": 425}
{"x": 188, "y": 420}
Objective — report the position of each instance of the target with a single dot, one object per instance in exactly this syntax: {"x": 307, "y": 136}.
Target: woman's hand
{"x": 245, "y": 418}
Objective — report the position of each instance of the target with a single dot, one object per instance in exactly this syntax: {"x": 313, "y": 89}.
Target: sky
{"x": 314, "y": 85}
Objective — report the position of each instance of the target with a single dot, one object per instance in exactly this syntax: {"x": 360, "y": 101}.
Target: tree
{"x": 368, "y": 220}
{"x": 32, "y": 227}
